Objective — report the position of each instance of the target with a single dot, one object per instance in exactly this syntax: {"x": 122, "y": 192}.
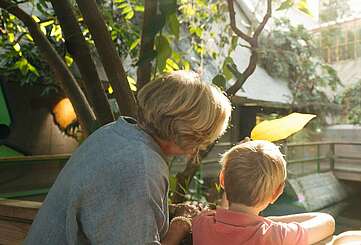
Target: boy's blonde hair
{"x": 252, "y": 172}
{"x": 180, "y": 107}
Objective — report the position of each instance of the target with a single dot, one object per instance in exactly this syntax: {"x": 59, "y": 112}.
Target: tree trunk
{"x": 147, "y": 43}
{"x": 62, "y": 73}
{"x": 185, "y": 177}
{"x": 78, "y": 48}
{"x": 109, "y": 56}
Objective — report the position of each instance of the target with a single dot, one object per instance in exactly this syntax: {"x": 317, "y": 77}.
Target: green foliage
{"x": 20, "y": 60}
{"x": 289, "y": 52}
{"x": 301, "y": 5}
{"x": 334, "y": 10}
{"x": 351, "y": 102}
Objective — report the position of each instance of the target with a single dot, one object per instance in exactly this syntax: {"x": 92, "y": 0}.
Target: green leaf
{"x": 196, "y": 30}
{"x": 127, "y": 9}
{"x": 32, "y": 69}
{"x": 68, "y": 60}
{"x": 56, "y": 32}
{"x": 139, "y": 8}
{"x": 168, "y": 7}
{"x": 173, "y": 24}
{"x": 176, "y": 57}
{"x": 148, "y": 56}
{"x": 47, "y": 23}
{"x": 172, "y": 183}
{"x": 36, "y": 18}
{"x": 186, "y": 65}
{"x": 134, "y": 44}
{"x": 22, "y": 65}
{"x": 11, "y": 37}
{"x": 171, "y": 65}
{"x": 17, "y": 47}
{"x": 285, "y": 5}
{"x": 29, "y": 37}
{"x": 154, "y": 29}
{"x": 234, "y": 43}
{"x": 227, "y": 73}
{"x": 164, "y": 51}
{"x": 220, "y": 81}
{"x": 129, "y": 15}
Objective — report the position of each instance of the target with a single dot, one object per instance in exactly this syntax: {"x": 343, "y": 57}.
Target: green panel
{"x": 34, "y": 192}
{"x": 4, "y": 113}
{"x": 8, "y": 152}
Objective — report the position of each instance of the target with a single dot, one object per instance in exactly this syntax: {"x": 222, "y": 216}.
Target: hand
{"x": 188, "y": 209}
{"x": 245, "y": 139}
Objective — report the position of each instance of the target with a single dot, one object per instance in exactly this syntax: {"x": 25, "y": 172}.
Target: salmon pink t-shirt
{"x": 227, "y": 227}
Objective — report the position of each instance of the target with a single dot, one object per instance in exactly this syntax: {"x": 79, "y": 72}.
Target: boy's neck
{"x": 239, "y": 207}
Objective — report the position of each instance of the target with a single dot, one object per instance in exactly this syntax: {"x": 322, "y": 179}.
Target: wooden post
{"x": 332, "y": 156}
{"x": 318, "y": 158}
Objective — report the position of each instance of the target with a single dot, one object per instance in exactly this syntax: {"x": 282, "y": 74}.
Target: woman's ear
{"x": 221, "y": 179}
{"x": 278, "y": 192}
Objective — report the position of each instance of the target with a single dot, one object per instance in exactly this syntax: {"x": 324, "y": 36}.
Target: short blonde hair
{"x": 252, "y": 172}
{"x": 180, "y": 107}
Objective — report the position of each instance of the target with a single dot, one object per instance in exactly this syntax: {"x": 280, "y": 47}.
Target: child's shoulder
{"x": 204, "y": 216}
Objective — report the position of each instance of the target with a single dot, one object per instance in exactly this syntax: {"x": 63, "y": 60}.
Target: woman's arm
{"x": 178, "y": 229}
{"x": 318, "y": 225}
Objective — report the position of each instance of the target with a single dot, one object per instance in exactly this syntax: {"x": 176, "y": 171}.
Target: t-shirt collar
{"x": 234, "y": 218}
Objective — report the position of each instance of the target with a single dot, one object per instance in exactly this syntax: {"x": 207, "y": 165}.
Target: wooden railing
{"x": 312, "y": 157}
{"x": 331, "y": 153}
{"x": 28, "y": 176}
{"x": 15, "y": 220}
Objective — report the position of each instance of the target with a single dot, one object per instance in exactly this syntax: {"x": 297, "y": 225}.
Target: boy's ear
{"x": 221, "y": 179}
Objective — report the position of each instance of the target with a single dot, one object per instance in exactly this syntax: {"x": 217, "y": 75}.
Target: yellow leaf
{"x": 303, "y": 6}
{"x": 278, "y": 129}
{"x": 47, "y": 23}
{"x": 36, "y": 18}
{"x": 132, "y": 83}
{"x": 29, "y": 37}
{"x": 17, "y": 47}
{"x": 110, "y": 89}
{"x": 11, "y": 37}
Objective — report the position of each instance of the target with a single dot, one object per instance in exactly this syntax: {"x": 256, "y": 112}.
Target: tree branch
{"x": 267, "y": 16}
{"x": 253, "y": 41}
{"x": 244, "y": 75}
{"x": 60, "y": 70}
{"x": 147, "y": 42}
{"x": 185, "y": 177}
{"x": 232, "y": 17}
{"x": 109, "y": 56}
{"x": 77, "y": 47}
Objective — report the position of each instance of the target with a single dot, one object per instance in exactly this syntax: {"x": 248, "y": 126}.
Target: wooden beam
{"x": 19, "y": 209}
{"x": 16, "y": 217}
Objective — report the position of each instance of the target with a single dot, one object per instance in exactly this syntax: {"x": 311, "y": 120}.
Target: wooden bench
{"x": 16, "y": 217}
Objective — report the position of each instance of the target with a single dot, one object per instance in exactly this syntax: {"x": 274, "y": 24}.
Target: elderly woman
{"x": 113, "y": 190}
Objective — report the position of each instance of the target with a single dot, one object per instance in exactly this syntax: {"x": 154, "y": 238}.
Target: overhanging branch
{"x": 58, "y": 66}
{"x": 253, "y": 42}
{"x": 147, "y": 42}
{"x": 109, "y": 56}
{"x": 232, "y": 17}
{"x": 78, "y": 48}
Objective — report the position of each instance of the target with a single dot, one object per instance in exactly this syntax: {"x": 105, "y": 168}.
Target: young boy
{"x": 253, "y": 176}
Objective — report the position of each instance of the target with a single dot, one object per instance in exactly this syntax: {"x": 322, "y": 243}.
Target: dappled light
{"x": 191, "y": 122}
